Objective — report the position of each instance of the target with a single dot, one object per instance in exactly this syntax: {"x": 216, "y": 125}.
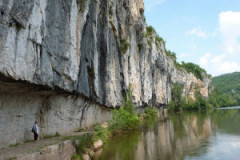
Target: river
{"x": 202, "y": 135}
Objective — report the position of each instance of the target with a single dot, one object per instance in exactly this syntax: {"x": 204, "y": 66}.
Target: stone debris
{"x": 97, "y": 145}
{"x": 86, "y": 157}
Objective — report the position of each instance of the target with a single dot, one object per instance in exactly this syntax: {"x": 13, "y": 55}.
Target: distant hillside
{"x": 228, "y": 84}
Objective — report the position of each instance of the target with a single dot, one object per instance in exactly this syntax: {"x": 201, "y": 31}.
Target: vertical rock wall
{"x": 89, "y": 49}
{"x": 77, "y": 46}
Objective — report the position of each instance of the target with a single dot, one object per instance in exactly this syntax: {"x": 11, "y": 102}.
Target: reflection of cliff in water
{"x": 167, "y": 139}
{"x": 172, "y": 138}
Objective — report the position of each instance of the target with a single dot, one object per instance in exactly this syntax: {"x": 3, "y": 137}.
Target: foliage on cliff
{"x": 216, "y": 99}
{"x": 189, "y": 67}
{"x": 179, "y": 103}
{"x": 195, "y": 69}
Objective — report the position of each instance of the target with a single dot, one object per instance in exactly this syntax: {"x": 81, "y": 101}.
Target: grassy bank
{"x": 124, "y": 119}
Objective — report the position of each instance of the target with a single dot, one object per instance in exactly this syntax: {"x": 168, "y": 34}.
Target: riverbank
{"x": 183, "y": 135}
{"x": 61, "y": 147}
{"x": 123, "y": 123}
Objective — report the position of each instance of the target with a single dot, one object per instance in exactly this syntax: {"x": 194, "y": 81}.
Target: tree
{"x": 177, "y": 90}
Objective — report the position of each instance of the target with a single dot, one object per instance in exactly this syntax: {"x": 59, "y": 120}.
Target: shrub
{"x": 150, "y": 113}
{"x": 171, "y": 106}
{"x": 122, "y": 119}
{"x": 101, "y": 133}
{"x": 125, "y": 117}
{"x": 140, "y": 46}
{"x": 82, "y": 4}
{"x": 194, "y": 68}
{"x": 57, "y": 134}
{"x": 149, "y": 42}
{"x": 124, "y": 45}
{"x": 83, "y": 142}
{"x": 177, "y": 94}
{"x": 159, "y": 40}
{"x": 76, "y": 157}
{"x": 150, "y": 31}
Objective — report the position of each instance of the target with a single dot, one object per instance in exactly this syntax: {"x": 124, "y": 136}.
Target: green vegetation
{"x": 140, "y": 46}
{"x": 111, "y": 10}
{"x": 83, "y": 142}
{"x": 189, "y": 67}
{"x": 125, "y": 118}
{"x": 227, "y": 87}
{"x": 101, "y": 133}
{"x": 28, "y": 141}
{"x": 220, "y": 99}
{"x": 159, "y": 40}
{"x": 77, "y": 157}
{"x": 150, "y": 31}
{"x": 51, "y": 136}
{"x": 12, "y": 158}
{"x": 149, "y": 42}
{"x": 195, "y": 69}
{"x": 150, "y": 113}
{"x": 216, "y": 99}
{"x": 91, "y": 71}
{"x": 14, "y": 145}
{"x": 57, "y": 134}
{"x": 150, "y": 34}
{"x": 177, "y": 94}
{"x": 82, "y": 4}
{"x": 124, "y": 45}
{"x": 180, "y": 103}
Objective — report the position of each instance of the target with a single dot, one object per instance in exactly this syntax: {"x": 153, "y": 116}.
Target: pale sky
{"x": 205, "y": 32}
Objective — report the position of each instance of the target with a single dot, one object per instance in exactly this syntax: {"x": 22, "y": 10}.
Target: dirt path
{"x": 30, "y": 147}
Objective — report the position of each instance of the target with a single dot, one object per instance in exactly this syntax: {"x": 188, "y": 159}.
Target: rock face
{"x": 76, "y": 46}
{"x": 90, "y": 50}
{"x": 61, "y": 114}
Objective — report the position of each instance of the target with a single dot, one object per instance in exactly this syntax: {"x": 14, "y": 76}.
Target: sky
{"x": 205, "y": 32}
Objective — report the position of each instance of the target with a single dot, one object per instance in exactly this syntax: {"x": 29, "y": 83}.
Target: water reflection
{"x": 197, "y": 135}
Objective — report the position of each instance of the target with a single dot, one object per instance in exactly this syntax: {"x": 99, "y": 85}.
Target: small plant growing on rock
{"x": 82, "y": 143}
{"x": 149, "y": 41}
{"x": 124, "y": 45}
{"x": 150, "y": 31}
{"x": 140, "y": 46}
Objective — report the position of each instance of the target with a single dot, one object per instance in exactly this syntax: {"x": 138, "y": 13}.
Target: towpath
{"x": 11, "y": 153}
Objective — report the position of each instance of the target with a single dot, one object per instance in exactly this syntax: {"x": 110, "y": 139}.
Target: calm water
{"x": 185, "y": 136}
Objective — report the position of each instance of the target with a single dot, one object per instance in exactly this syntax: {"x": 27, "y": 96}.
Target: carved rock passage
{"x": 75, "y": 46}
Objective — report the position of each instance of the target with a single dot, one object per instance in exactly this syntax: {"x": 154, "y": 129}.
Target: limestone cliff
{"x": 76, "y": 54}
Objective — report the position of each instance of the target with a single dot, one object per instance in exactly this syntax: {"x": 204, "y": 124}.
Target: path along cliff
{"x": 67, "y": 63}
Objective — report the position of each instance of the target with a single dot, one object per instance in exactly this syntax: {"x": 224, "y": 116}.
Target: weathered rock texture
{"x": 61, "y": 151}
{"x": 61, "y": 114}
{"x": 76, "y": 47}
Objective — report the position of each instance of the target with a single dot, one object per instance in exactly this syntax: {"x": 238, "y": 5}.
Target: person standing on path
{"x": 35, "y": 131}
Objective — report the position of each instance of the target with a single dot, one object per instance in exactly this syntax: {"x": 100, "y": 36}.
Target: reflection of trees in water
{"x": 227, "y": 121}
{"x": 173, "y": 138}
{"x": 122, "y": 147}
